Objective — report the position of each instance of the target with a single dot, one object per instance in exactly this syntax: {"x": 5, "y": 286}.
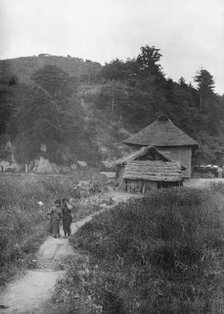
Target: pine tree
{"x": 205, "y": 86}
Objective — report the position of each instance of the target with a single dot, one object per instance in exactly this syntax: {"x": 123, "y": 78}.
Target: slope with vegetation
{"x": 82, "y": 111}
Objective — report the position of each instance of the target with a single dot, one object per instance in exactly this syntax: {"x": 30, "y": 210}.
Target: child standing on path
{"x": 55, "y": 217}
{"x": 66, "y": 217}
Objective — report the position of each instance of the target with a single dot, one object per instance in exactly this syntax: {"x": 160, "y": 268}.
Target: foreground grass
{"x": 23, "y": 223}
{"x": 160, "y": 254}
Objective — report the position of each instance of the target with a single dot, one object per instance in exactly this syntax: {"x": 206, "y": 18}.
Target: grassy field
{"x": 159, "y": 254}
{"x": 23, "y": 223}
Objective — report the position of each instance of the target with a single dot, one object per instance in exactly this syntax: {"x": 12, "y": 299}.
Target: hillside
{"x": 81, "y": 110}
{"x": 24, "y": 67}
{"x": 94, "y": 137}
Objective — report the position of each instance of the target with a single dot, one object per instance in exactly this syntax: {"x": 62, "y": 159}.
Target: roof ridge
{"x": 162, "y": 132}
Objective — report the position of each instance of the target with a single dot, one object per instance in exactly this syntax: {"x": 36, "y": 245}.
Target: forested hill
{"x": 82, "y": 110}
{"x": 24, "y": 67}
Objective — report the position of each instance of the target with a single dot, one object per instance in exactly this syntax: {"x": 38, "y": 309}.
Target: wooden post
{"x": 143, "y": 189}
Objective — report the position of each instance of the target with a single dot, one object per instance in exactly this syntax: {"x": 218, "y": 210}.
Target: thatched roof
{"x": 161, "y": 133}
{"x": 153, "y": 171}
{"x": 140, "y": 153}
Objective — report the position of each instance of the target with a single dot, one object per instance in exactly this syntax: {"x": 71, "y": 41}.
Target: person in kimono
{"x": 66, "y": 217}
{"x": 55, "y": 214}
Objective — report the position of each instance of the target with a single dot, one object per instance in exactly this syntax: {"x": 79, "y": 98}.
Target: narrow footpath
{"x": 29, "y": 292}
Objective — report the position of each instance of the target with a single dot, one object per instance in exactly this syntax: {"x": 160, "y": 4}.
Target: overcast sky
{"x": 190, "y": 33}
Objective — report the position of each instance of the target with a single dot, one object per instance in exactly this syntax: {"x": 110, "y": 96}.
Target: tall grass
{"x": 23, "y": 223}
{"x": 160, "y": 254}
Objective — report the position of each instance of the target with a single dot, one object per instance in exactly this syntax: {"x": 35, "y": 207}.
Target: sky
{"x": 189, "y": 33}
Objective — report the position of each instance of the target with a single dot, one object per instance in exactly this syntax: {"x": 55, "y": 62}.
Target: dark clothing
{"x": 55, "y": 216}
{"x": 67, "y": 220}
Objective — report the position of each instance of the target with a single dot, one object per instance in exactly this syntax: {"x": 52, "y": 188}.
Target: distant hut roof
{"x": 161, "y": 132}
{"x": 141, "y": 152}
{"x": 153, "y": 171}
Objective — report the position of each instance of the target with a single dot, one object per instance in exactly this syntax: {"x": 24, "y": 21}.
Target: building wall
{"x": 140, "y": 186}
{"x": 149, "y": 186}
{"x": 119, "y": 177}
{"x": 144, "y": 187}
{"x": 181, "y": 154}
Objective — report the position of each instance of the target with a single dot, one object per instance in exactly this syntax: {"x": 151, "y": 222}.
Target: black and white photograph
{"x": 111, "y": 156}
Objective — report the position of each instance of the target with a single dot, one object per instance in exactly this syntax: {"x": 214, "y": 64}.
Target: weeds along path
{"x": 28, "y": 293}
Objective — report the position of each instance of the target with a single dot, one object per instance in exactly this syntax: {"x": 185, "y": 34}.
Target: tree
{"x": 113, "y": 95}
{"x": 49, "y": 115}
{"x": 205, "y": 81}
{"x": 120, "y": 70}
{"x": 42, "y": 119}
{"x": 8, "y": 100}
{"x": 5, "y": 109}
{"x": 55, "y": 81}
{"x": 37, "y": 122}
{"x": 182, "y": 82}
{"x": 205, "y": 87}
{"x": 148, "y": 60}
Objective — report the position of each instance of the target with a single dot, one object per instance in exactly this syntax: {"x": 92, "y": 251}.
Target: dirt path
{"x": 27, "y": 293}
{"x": 36, "y": 286}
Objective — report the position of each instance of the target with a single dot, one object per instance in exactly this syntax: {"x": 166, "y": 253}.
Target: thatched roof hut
{"x": 168, "y": 139}
{"x": 161, "y": 132}
{"x": 149, "y": 152}
{"x": 147, "y": 169}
